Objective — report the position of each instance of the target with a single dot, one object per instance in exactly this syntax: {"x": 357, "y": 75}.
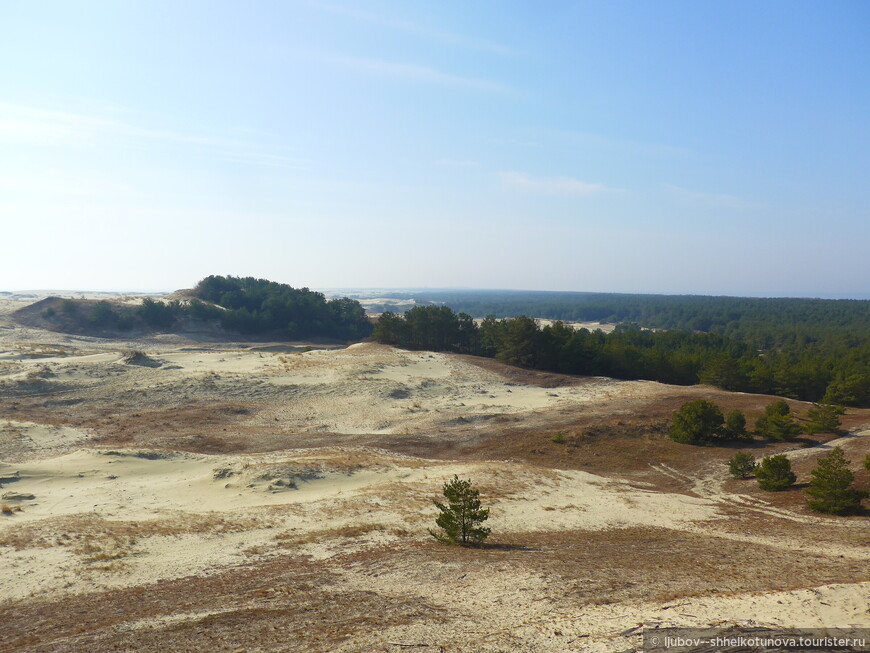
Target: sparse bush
{"x": 159, "y": 314}
{"x": 832, "y": 486}
{"x": 824, "y": 418}
{"x": 777, "y": 423}
{"x": 742, "y": 465}
{"x": 49, "y": 313}
{"x": 125, "y": 322}
{"x": 697, "y": 422}
{"x": 778, "y": 407}
{"x": 201, "y": 311}
{"x": 559, "y": 438}
{"x": 774, "y": 473}
{"x": 102, "y": 315}
{"x": 867, "y": 462}
{"x": 462, "y": 517}
{"x": 6, "y": 509}
{"x": 105, "y": 550}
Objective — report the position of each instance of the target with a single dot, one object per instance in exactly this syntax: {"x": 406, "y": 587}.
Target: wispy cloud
{"x": 716, "y": 200}
{"x": 515, "y": 141}
{"x": 624, "y": 145}
{"x": 20, "y": 124}
{"x": 45, "y": 127}
{"x": 415, "y": 72}
{"x": 458, "y": 163}
{"x": 450, "y": 38}
{"x": 551, "y": 185}
{"x": 58, "y": 183}
{"x": 270, "y": 160}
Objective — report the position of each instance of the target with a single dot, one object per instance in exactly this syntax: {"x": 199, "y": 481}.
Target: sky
{"x": 662, "y": 147}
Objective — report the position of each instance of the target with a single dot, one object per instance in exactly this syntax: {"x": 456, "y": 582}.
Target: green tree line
{"x": 831, "y": 375}
{"x": 248, "y": 306}
{"x": 763, "y": 322}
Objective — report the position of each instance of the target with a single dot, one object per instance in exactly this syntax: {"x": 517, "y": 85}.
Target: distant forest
{"x": 809, "y": 349}
{"x": 762, "y": 322}
{"x": 249, "y": 306}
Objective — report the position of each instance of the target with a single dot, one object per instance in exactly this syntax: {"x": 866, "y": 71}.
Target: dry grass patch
{"x": 351, "y": 459}
{"x": 111, "y": 550}
{"x": 521, "y": 376}
{"x": 83, "y": 531}
{"x": 346, "y": 532}
{"x": 602, "y": 567}
{"x": 283, "y": 604}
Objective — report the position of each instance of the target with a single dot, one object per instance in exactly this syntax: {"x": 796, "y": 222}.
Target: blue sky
{"x": 677, "y": 147}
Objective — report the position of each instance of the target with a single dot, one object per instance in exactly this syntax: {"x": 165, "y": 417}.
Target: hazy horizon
{"x": 372, "y": 292}
{"x": 667, "y": 148}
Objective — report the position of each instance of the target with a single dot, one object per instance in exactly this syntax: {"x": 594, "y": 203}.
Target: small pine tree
{"x": 697, "y": 422}
{"x": 774, "y": 473}
{"x": 778, "y": 423}
{"x": 461, "y": 518}
{"x": 735, "y": 426}
{"x": 742, "y": 465}
{"x": 824, "y": 418}
{"x": 832, "y": 486}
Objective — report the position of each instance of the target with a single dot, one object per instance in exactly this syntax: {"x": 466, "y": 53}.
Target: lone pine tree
{"x": 831, "y": 487}
{"x": 461, "y": 517}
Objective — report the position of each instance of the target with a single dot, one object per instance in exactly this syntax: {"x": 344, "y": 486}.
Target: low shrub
{"x": 742, "y": 465}
{"x": 774, "y": 473}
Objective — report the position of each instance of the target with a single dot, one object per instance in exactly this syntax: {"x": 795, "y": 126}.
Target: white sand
{"x": 142, "y": 484}
{"x": 366, "y": 388}
{"x": 39, "y": 438}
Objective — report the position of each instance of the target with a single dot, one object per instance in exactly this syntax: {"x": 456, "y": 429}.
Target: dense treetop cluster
{"x": 247, "y": 306}
{"x": 259, "y": 306}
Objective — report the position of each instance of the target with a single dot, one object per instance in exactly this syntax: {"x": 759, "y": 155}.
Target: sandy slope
{"x": 315, "y": 490}
{"x": 366, "y": 388}
{"x": 103, "y": 519}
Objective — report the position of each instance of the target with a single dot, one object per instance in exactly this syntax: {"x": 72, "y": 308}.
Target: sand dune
{"x": 109, "y": 505}
{"x": 365, "y": 388}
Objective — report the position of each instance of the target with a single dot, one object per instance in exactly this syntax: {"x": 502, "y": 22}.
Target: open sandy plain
{"x": 272, "y": 497}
